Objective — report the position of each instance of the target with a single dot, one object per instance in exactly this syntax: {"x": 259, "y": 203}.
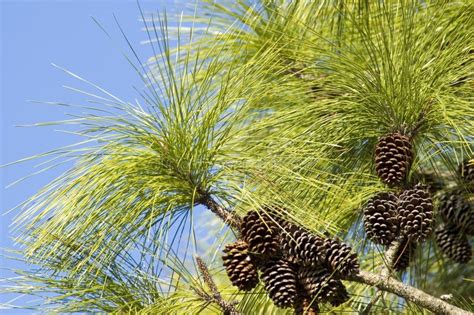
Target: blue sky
{"x": 35, "y": 34}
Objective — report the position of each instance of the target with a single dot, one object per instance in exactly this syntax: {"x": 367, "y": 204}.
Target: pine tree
{"x": 310, "y": 107}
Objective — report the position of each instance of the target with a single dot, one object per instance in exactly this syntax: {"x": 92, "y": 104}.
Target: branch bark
{"x": 409, "y": 293}
{"x": 227, "y": 308}
{"x": 225, "y": 215}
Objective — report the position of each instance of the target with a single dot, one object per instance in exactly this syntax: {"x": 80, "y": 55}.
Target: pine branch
{"x": 407, "y": 292}
{"x": 227, "y": 308}
{"x": 229, "y": 218}
{"x": 384, "y": 282}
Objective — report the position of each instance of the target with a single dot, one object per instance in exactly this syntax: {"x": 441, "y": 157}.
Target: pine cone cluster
{"x": 393, "y": 158}
{"x": 406, "y": 217}
{"x": 296, "y": 266}
{"x": 453, "y": 243}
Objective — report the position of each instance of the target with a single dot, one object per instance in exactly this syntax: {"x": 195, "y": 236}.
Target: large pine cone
{"x": 380, "y": 218}
{"x": 415, "y": 212}
{"x": 403, "y": 256}
{"x": 239, "y": 266}
{"x": 393, "y": 157}
{"x": 456, "y": 210}
{"x": 466, "y": 170}
{"x": 453, "y": 244}
{"x": 261, "y": 233}
{"x": 301, "y": 245}
{"x": 279, "y": 277}
{"x": 340, "y": 258}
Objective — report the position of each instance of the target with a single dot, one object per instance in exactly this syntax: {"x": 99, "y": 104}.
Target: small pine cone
{"x": 453, "y": 244}
{"x": 239, "y": 266}
{"x": 380, "y": 218}
{"x": 261, "y": 233}
{"x": 393, "y": 157}
{"x": 279, "y": 277}
{"x": 301, "y": 245}
{"x": 456, "y": 210}
{"x": 466, "y": 170}
{"x": 415, "y": 213}
{"x": 306, "y": 306}
{"x": 340, "y": 258}
{"x": 403, "y": 256}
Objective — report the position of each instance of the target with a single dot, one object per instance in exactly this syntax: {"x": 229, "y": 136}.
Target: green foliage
{"x": 266, "y": 102}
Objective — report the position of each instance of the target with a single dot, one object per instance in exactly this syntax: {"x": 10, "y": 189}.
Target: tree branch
{"x": 382, "y": 282}
{"x": 228, "y": 217}
{"x": 407, "y": 292}
{"x": 227, "y": 308}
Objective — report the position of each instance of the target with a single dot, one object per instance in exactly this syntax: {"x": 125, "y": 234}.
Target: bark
{"x": 409, "y": 293}
{"x": 227, "y": 308}
{"x": 228, "y": 217}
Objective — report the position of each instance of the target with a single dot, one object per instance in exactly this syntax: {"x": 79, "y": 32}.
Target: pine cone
{"x": 239, "y": 266}
{"x": 317, "y": 282}
{"x": 404, "y": 255}
{"x": 302, "y": 246}
{"x": 415, "y": 212}
{"x": 340, "y": 259}
{"x": 261, "y": 233}
{"x": 279, "y": 277}
{"x": 393, "y": 157}
{"x": 466, "y": 170}
{"x": 456, "y": 210}
{"x": 453, "y": 244}
{"x": 321, "y": 286}
{"x": 380, "y": 218}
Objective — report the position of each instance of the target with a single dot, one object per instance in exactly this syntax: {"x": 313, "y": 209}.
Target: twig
{"x": 227, "y": 308}
{"x": 229, "y": 218}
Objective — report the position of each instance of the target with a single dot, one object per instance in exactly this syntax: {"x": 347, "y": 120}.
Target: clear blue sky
{"x": 35, "y": 34}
